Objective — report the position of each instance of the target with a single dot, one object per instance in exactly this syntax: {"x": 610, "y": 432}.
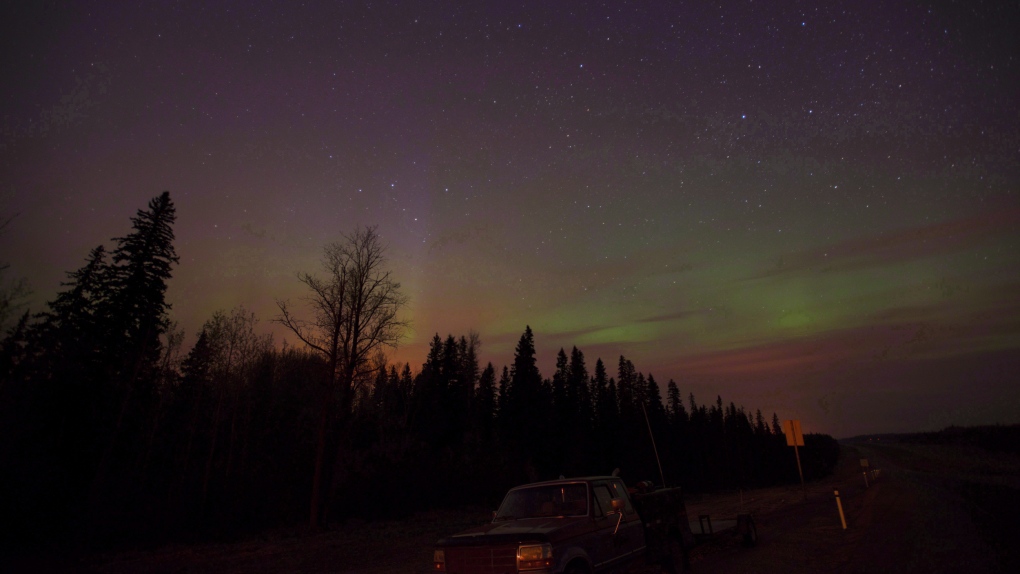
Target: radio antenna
{"x": 654, "y": 448}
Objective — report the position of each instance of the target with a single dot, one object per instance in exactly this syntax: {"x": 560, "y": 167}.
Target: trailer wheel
{"x": 750, "y": 534}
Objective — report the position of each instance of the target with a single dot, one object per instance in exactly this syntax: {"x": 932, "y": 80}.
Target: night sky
{"x": 808, "y": 209}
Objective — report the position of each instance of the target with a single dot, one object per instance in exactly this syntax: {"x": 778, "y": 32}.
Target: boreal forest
{"x": 114, "y": 434}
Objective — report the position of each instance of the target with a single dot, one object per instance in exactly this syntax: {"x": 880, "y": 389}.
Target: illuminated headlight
{"x": 439, "y": 561}
{"x": 534, "y": 557}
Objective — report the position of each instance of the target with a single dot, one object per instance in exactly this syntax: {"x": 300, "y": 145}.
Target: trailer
{"x": 670, "y": 534}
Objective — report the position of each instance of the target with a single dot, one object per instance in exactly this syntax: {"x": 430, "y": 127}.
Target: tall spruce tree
{"x": 525, "y": 380}
{"x": 559, "y": 386}
{"x": 503, "y": 392}
{"x": 485, "y": 405}
{"x": 579, "y": 390}
{"x": 653, "y": 398}
{"x": 674, "y": 404}
{"x": 69, "y": 337}
{"x": 600, "y": 392}
{"x": 135, "y": 306}
{"x": 528, "y": 409}
{"x": 132, "y": 316}
{"x": 626, "y": 378}
{"x": 72, "y": 316}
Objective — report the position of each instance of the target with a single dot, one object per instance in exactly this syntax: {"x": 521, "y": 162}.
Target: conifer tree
{"x": 135, "y": 305}
{"x": 67, "y": 341}
{"x": 485, "y": 404}
{"x": 626, "y": 378}
{"x": 653, "y": 398}
{"x": 458, "y": 385}
{"x": 528, "y": 408}
{"x": 525, "y": 385}
{"x": 132, "y": 316}
{"x": 196, "y": 369}
{"x": 640, "y": 392}
{"x": 433, "y": 395}
{"x": 559, "y": 387}
{"x": 70, "y": 325}
{"x": 674, "y": 404}
{"x": 468, "y": 348}
{"x": 504, "y": 391}
{"x": 192, "y": 399}
{"x": 760, "y": 428}
{"x": 406, "y": 390}
{"x": 612, "y": 401}
{"x": 579, "y": 389}
{"x": 601, "y": 392}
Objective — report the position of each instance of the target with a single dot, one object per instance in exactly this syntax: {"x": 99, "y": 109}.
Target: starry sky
{"x": 808, "y": 208}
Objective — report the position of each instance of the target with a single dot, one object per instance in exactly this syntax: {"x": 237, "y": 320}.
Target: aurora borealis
{"x": 808, "y": 209}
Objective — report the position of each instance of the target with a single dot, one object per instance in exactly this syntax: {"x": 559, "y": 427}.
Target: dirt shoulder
{"x": 931, "y": 509}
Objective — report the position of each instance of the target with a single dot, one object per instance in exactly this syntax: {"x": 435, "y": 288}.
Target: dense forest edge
{"x": 114, "y": 436}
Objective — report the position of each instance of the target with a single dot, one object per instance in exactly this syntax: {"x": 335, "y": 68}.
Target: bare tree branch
{"x": 354, "y": 308}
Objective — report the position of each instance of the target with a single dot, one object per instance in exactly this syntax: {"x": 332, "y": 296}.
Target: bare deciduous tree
{"x": 355, "y": 312}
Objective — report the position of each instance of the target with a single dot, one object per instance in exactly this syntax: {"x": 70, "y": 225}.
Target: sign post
{"x": 795, "y": 438}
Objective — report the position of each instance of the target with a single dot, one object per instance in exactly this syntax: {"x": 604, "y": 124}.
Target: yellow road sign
{"x": 794, "y": 436}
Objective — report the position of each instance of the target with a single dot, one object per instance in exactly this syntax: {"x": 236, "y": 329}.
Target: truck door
{"x": 615, "y": 545}
{"x": 633, "y": 534}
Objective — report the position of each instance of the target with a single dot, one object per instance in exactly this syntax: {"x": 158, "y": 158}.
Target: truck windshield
{"x": 544, "y": 501}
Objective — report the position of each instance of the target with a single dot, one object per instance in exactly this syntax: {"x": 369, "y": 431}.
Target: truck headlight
{"x": 439, "y": 561}
{"x": 534, "y": 557}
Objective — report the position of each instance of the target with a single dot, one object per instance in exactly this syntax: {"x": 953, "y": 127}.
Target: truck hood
{"x": 524, "y": 530}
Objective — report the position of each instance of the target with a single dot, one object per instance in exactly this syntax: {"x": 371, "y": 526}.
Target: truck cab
{"x": 574, "y": 526}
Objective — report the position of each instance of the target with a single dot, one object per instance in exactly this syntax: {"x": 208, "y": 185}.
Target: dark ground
{"x": 932, "y": 509}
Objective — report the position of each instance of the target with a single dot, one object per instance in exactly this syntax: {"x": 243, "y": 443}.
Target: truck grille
{"x": 485, "y": 560}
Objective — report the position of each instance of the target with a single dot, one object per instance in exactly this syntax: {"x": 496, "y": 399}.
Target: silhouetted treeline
{"x": 111, "y": 434}
{"x": 459, "y": 433}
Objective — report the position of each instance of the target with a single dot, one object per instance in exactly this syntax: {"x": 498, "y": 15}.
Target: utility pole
{"x": 795, "y": 438}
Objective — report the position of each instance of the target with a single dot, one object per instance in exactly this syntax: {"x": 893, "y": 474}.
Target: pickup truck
{"x": 585, "y": 525}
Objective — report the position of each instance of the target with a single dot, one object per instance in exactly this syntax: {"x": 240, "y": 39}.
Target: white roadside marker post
{"x": 839, "y": 505}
